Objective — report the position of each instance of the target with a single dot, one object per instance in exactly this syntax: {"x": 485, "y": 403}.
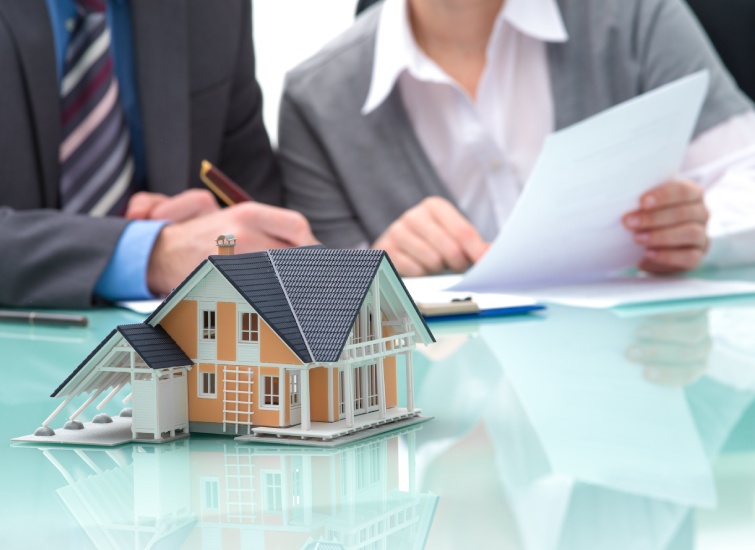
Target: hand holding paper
{"x": 671, "y": 225}
{"x": 567, "y": 225}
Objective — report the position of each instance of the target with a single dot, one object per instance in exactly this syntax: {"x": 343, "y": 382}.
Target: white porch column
{"x": 282, "y": 397}
{"x": 381, "y": 388}
{"x": 348, "y": 395}
{"x": 409, "y": 382}
{"x": 377, "y": 323}
{"x": 305, "y": 412}
{"x": 158, "y": 416}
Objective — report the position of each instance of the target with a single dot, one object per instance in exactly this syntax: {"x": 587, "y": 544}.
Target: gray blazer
{"x": 198, "y": 98}
{"x": 352, "y": 175}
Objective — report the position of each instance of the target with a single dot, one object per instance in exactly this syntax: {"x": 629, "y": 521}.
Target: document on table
{"x": 566, "y": 226}
{"x": 427, "y": 291}
{"x": 564, "y": 241}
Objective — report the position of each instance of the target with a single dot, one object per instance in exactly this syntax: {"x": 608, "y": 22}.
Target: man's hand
{"x": 671, "y": 225}
{"x": 430, "y": 238}
{"x": 182, "y": 207}
{"x": 181, "y": 246}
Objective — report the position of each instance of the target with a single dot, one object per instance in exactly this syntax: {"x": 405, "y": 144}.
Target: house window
{"x": 372, "y": 386}
{"x": 208, "y": 324}
{"x": 210, "y": 490}
{"x": 294, "y": 388}
{"x": 249, "y": 328}
{"x": 207, "y": 384}
{"x": 273, "y": 501}
{"x": 270, "y": 391}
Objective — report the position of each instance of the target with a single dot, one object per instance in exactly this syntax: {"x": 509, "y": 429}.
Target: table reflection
{"x": 599, "y": 428}
{"x": 201, "y": 494}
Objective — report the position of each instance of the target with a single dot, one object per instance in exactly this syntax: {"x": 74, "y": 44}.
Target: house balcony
{"x": 368, "y": 350}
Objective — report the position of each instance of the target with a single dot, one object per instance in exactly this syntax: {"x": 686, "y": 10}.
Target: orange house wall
{"x": 389, "y": 375}
{"x": 273, "y": 349}
{"x": 226, "y": 331}
{"x": 336, "y": 402}
{"x": 391, "y": 387}
{"x": 318, "y": 394}
{"x": 181, "y": 324}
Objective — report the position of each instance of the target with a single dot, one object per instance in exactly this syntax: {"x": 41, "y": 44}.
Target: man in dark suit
{"x": 183, "y": 75}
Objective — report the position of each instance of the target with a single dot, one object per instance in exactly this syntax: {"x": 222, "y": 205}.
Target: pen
{"x": 220, "y": 184}
{"x": 37, "y": 318}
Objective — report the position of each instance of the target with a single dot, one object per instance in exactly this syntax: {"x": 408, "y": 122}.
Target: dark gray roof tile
{"x": 310, "y": 296}
{"x": 154, "y": 346}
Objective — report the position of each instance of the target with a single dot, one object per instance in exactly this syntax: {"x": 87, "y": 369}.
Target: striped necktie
{"x": 97, "y": 168}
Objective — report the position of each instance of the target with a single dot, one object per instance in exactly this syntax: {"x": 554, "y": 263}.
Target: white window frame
{"x": 201, "y": 383}
{"x": 241, "y": 331}
{"x": 273, "y": 395}
{"x": 208, "y": 333}
{"x": 294, "y": 389}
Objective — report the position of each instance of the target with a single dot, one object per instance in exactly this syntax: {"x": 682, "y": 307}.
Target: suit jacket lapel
{"x": 29, "y": 22}
{"x": 162, "y": 71}
{"x": 392, "y": 124}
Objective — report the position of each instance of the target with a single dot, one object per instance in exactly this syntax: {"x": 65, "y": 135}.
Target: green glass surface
{"x": 571, "y": 429}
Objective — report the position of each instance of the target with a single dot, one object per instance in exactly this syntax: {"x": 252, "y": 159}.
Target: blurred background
{"x": 284, "y": 36}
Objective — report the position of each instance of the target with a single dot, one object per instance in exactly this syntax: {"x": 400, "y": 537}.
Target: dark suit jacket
{"x": 199, "y": 100}
{"x": 730, "y": 24}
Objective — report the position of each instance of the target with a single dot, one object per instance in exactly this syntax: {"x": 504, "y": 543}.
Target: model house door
{"x": 294, "y": 382}
{"x": 360, "y": 396}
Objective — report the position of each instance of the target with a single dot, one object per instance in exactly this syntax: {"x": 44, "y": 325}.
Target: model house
{"x": 299, "y": 342}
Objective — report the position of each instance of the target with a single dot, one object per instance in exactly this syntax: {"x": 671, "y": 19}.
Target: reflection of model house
{"x": 210, "y": 496}
{"x": 298, "y": 342}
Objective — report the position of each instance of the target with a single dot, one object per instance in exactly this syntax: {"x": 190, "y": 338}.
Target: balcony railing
{"x": 364, "y": 349}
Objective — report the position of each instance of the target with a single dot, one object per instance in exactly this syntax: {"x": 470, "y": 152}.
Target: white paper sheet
{"x": 608, "y": 293}
{"x": 432, "y": 290}
{"x": 624, "y": 291}
{"x": 566, "y": 226}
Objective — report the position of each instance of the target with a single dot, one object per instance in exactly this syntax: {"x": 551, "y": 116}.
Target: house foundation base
{"x": 110, "y": 434}
{"x": 334, "y": 434}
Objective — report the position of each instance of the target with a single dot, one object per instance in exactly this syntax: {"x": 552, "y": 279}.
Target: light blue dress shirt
{"x": 125, "y": 277}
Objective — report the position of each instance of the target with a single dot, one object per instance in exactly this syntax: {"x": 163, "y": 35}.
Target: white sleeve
{"x": 722, "y": 160}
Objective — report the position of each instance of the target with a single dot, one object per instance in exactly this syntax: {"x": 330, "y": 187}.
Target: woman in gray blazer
{"x": 415, "y": 130}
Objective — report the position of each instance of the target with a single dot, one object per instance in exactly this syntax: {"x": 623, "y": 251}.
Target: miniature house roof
{"x": 310, "y": 296}
{"x": 156, "y": 348}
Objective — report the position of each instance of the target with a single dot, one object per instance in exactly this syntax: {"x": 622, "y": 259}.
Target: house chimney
{"x": 226, "y": 244}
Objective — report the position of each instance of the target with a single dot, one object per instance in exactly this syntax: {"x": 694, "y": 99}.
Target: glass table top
{"x": 570, "y": 429}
